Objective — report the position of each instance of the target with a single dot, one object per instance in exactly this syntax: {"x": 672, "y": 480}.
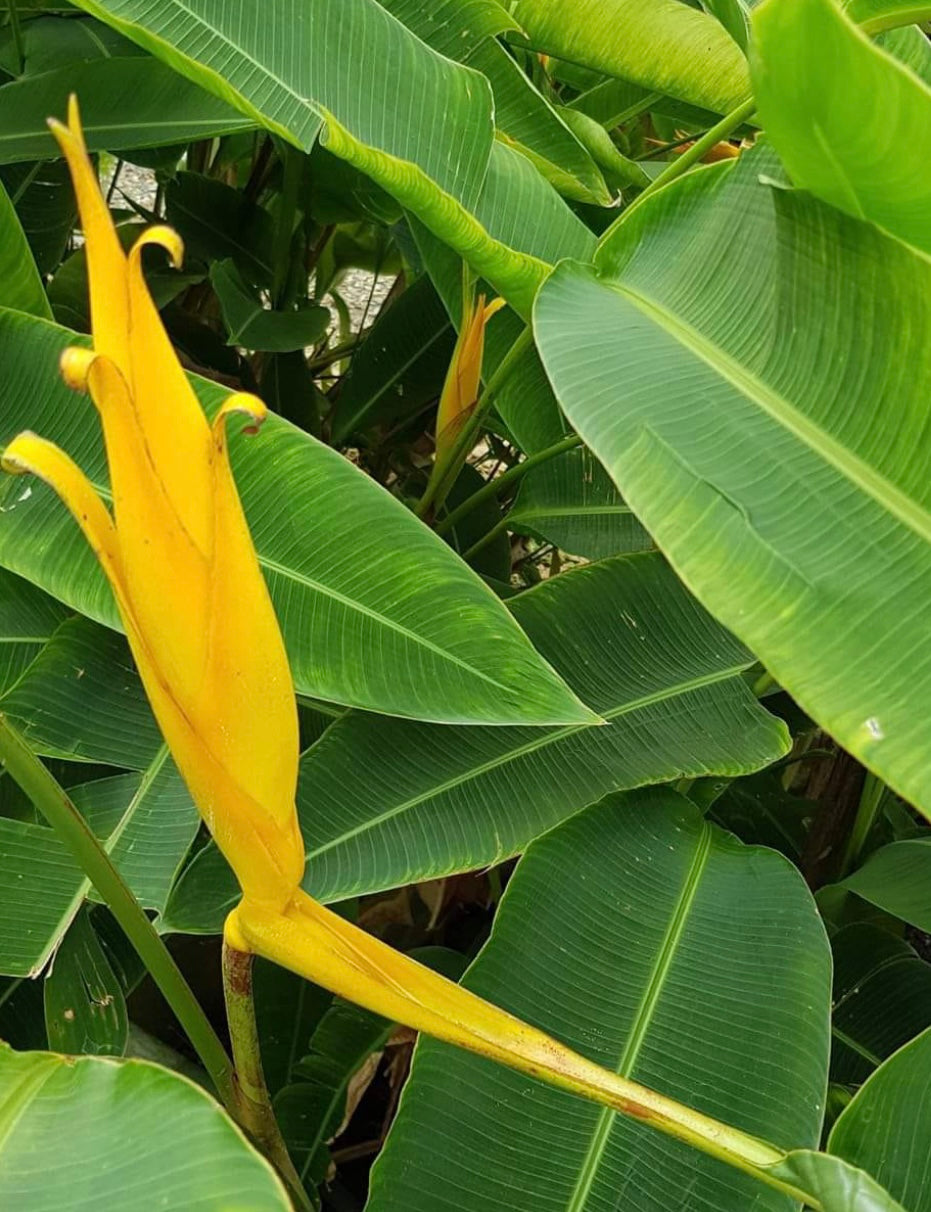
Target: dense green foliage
{"x": 628, "y": 706}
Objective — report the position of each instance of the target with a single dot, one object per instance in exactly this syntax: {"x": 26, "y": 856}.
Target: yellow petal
{"x": 106, "y": 261}
{"x": 266, "y": 856}
{"x": 128, "y": 330}
{"x": 247, "y": 708}
{"x": 165, "y": 575}
{"x": 463, "y": 379}
{"x": 168, "y": 411}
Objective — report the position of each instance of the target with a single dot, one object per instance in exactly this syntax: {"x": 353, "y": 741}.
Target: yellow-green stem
{"x": 257, "y": 1114}
{"x": 494, "y": 488}
{"x": 17, "y": 32}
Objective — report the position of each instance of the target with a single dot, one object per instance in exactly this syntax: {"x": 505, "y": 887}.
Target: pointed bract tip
{"x": 74, "y": 117}
{"x": 69, "y": 133}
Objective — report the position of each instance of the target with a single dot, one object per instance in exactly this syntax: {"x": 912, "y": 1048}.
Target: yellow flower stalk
{"x": 179, "y": 557}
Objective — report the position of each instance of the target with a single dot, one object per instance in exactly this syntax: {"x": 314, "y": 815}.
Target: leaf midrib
{"x": 643, "y": 1018}
{"x": 550, "y": 736}
{"x": 817, "y": 440}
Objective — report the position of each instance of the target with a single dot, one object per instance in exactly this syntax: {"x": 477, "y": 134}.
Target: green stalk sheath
{"x": 867, "y": 811}
{"x": 681, "y": 164}
{"x": 53, "y": 802}
{"x": 17, "y": 32}
{"x": 494, "y": 488}
{"x": 258, "y": 1117}
{"x": 292, "y": 168}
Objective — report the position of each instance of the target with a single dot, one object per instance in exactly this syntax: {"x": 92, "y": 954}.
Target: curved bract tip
{"x": 161, "y": 236}
{"x": 75, "y": 366}
{"x": 245, "y": 404}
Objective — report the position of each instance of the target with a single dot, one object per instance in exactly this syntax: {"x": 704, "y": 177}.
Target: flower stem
{"x": 257, "y": 1115}
{"x": 494, "y": 488}
{"x": 868, "y": 809}
{"x": 677, "y": 167}
{"x": 53, "y": 802}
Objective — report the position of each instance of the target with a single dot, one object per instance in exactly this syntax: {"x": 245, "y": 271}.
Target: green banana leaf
{"x": 85, "y": 1008}
{"x": 146, "y": 822}
{"x": 662, "y": 948}
{"x": 80, "y": 699}
{"x": 882, "y": 999}
{"x": 897, "y": 879}
{"x": 660, "y": 44}
{"x": 301, "y": 79}
{"x": 572, "y": 502}
{"x": 874, "y": 16}
{"x": 20, "y": 285}
{"x": 870, "y": 160}
{"x": 28, "y": 619}
{"x": 885, "y": 1127}
{"x": 753, "y": 368}
{"x": 125, "y": 103}
{"x": 837, "y": 1185}
{"x": 376, "y": 610}
{"x": 86, "y": 1133}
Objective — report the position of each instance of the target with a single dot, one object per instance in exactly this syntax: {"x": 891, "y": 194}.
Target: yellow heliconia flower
{"x": 460, "y": 389}
{"x": 179, "y": 556}
{"x": 190, "y": 592}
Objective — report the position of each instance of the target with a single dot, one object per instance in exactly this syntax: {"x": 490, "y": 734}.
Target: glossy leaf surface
{"x": 870, "y": 160}
{"x": 376, "y": 610}
{"x": 640, "y": 964}
{"x": 178, "y": 1150}
{"x": 790, "y": 489}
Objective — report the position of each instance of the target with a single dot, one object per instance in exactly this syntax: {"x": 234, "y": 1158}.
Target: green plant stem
{"x": 53, "y": 802}
{"x": 681, "y": 164}
{"x": 444, "y": 474}
{"x": 292, "y": 169}
{"x": 17, "y": 32}
{"x": 867, "y": 811}
{"x": 763, "y": 684}
{"x": 895, "y": 20}
{"x": 663, "y": 148}
{"x": 494, "y": 488}
{"x": 483, "y": 542}
{"x": 258, "y": 1116}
